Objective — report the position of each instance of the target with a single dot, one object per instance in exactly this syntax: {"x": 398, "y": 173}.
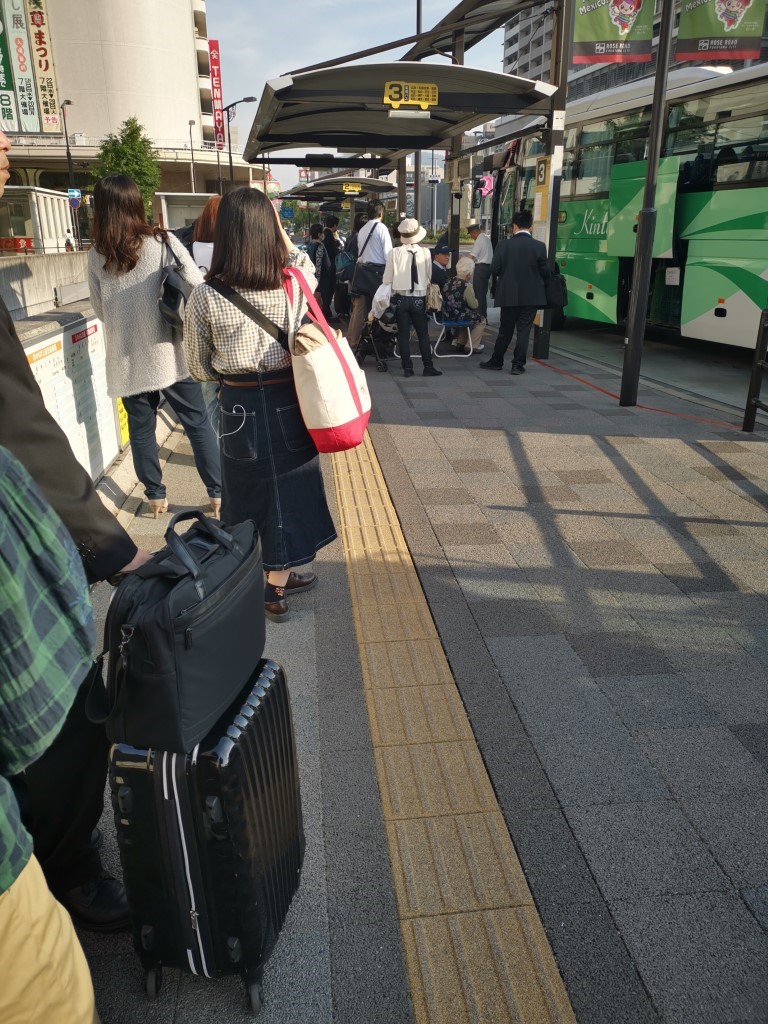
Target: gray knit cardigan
{"x": 141, "y": 352}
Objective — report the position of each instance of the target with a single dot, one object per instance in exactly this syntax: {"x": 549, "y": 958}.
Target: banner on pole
{"x": 42, "y": 61}
{"x": 21, "y": 61}
{"x": 720, "y": 30}
{"x": 9, "y": 118}
{"x": 613, "y": 32}
{"x": 218, "y": 107}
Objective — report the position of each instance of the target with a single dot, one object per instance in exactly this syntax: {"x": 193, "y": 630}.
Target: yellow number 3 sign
{"x": 410, "y": 94}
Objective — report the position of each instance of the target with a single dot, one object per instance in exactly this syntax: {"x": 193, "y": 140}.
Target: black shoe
{"x": 516, "y": 370}
{"x": 489, "y": 364}
{"x": 430, "y": 371}
{"x": 99, "y": 905}
{"x": 275, "y": 605}
{"x": 408, "y": 372}
{"x": 300, "y": 581}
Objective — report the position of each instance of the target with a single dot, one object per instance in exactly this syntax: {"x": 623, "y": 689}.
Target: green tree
{"x": 130, "y": 152}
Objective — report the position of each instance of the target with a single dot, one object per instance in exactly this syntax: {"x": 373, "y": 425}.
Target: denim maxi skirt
{"x": 270, "y": 469}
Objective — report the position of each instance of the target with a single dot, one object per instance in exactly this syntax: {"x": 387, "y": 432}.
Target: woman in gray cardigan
{"x": 143, "y": 361}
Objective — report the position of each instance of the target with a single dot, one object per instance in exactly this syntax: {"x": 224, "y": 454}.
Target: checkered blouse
{"x": 220, "y": 340}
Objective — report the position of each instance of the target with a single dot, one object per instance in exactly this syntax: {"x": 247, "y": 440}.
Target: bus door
{"x": 626, "y": 200}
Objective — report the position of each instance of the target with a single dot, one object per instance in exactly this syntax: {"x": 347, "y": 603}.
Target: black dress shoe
{"x": 516, "y": 370}
{"x": 300, "y": 581}
{"x": 275, "y": 605}
{"x": 408, "y": 372}
{"x": 430, "y": 371}
{"x": 490, "y": 365}
{"x": 99, "y": 905}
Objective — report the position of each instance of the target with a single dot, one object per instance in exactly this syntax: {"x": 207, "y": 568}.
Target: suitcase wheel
{"x": 153, "y": 981}
{"x": 381, "y": 366}
{"x": 255, "y": 998}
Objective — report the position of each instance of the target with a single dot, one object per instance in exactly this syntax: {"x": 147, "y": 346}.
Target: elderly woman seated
{"x": 460, "y": 303}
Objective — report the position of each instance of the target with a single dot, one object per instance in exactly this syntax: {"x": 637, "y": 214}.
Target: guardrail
{"x": 89, "y": 142}
{"x": 759, "y": 366}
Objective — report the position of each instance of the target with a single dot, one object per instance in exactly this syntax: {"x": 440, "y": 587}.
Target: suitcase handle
{"x": 179, "y": 547}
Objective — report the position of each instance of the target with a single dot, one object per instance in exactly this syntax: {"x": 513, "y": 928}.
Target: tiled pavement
{"x": 598, "y": 578}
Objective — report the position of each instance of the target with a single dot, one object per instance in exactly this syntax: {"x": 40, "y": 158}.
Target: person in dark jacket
{"x": 61, "y": 795}
{"x": 333, "y": 246}
{"x": 321, "y": 260}
{"x": 520, "y": 269}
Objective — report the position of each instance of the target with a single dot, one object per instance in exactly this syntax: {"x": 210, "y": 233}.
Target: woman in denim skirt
{"x": 270, "y": 466}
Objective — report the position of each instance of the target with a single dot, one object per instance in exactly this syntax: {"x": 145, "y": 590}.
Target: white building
{"x": 112, "y": 60}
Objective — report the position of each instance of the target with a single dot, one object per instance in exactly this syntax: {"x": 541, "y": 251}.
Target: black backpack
{"x": 184, "y": 634}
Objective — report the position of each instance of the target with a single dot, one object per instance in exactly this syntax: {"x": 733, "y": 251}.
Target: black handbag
{"x": 184, "y": 633}
{"x": 366, "y": 277}
{"x": 555, "y": 288}
{"x": 174, "y": 289}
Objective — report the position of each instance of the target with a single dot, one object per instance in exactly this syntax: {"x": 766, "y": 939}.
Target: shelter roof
{"x": 338, "y": 186}
{"x": 476, "y": 19}
{"x": 344, "y": 108}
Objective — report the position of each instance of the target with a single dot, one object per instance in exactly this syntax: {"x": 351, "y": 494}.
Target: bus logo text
{"x": 590, "y": 225}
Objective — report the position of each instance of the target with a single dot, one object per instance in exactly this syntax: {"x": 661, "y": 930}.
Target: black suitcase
{"x": 211, "y": 842}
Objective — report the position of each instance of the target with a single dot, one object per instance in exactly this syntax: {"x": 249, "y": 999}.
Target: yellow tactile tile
{"x": 428, "y": 779}
{"x": 453, "y": 865}
{"x": 407, "y": 663}
{"x": 476, "y": 952}
{"x": 416, "y": 714}
{"x": 487, "y": 967}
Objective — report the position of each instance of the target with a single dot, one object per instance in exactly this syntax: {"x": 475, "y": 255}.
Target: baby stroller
{"x": 378, "y": 339}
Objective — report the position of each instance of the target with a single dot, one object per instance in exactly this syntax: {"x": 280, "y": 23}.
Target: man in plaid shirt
{"x": 46, "y": 638}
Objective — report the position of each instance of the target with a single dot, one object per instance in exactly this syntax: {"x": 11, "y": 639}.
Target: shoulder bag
{"x": 555, "y": 288}
{"x": 366, "y": 277}
{"x": 174, "y": 289}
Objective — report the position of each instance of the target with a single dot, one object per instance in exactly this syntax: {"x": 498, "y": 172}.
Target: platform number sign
{"x": 410, "y": 94}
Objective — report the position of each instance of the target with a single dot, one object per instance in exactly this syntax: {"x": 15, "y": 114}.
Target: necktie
{"x": 414, "y": 272}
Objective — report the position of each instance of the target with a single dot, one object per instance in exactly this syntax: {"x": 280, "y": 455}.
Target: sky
{"x": 263, "y": 39}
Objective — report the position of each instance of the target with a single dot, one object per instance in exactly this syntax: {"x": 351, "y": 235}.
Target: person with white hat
{"x": 409, "y": 271}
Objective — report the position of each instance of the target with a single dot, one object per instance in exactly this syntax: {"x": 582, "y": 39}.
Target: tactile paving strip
{"x": 475, "y": 949}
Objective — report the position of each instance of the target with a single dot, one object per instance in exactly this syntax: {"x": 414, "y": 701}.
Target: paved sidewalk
{"x": 598, "y": 578}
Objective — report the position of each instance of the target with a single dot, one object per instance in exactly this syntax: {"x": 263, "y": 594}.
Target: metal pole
{"x": 454, "y": 208}
{"x": 561, "y": 59}
{"x": 192, "y": 156}
{"x": 218, "y": 169}
{"x": 401, "y": 189}
{"x": 646, "y": 221}
{"x": 417, "y": 154}
{"x": 229, "y": 143}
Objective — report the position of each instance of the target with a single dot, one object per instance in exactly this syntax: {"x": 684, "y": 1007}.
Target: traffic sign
{"x": 434, "y": 181}
{"x": 287, "y": 212}
{"x": 74, "y": 193}
{"x": 74, "y": 202}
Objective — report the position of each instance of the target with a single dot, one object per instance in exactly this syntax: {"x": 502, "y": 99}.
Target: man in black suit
{"x": 520, "y": 269}
{"x": 62, "y": 794}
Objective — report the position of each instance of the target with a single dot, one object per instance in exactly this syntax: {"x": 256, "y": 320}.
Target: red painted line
{"x": 646, "y": 408}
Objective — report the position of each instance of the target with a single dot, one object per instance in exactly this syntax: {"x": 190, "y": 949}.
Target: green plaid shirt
{"x": 46, "y": 640}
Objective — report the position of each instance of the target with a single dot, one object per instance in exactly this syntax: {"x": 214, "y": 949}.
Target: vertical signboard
{"x": 218, "y": 109}
{"x": 9, "y": 121}
{"x": 17, "y": 36}
{"x": 42, "y": 57}
{"x": 613, "y": 32}
{"x": 720, "y": 30}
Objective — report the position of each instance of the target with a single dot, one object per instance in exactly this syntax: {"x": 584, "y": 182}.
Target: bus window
{"x": 629, "y": 151}
{"x": 594, "y": 170}
{"x": 600, "y": 131}
{"x": 742, "y": 150}
{"x": 569, "y": 173}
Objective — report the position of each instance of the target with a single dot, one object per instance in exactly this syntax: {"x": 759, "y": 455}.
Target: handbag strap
{"x": 316, "y": 315}
{"x": 251, "y": 312}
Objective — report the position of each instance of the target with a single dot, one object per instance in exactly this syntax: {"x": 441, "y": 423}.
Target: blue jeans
{"x": 185, "y": 397}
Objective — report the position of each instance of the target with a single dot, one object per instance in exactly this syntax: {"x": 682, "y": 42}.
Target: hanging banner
{"x": 9, "y": 121}
{"x": 613, "y": 32}
{"x": 15, "y": 21}
{"x": 218, "y": 109}
{"x": 42, "y": 58}
{"x": 720, "y": 30}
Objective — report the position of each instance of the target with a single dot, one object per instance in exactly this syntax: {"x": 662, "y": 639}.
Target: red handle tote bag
{"x": 331, "y": 388}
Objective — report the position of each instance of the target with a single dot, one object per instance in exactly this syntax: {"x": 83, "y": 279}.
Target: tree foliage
{"x": 130, "y": 152}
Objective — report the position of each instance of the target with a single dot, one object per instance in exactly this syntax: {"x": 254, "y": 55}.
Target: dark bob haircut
{"x": 249, "y": 249}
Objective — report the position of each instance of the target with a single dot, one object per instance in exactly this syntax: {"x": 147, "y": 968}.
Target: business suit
{"x": 520, "y": 269}
{"x": 61, "y": 795}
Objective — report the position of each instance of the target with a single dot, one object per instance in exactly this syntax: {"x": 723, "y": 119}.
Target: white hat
{"x": 410, "y": 230}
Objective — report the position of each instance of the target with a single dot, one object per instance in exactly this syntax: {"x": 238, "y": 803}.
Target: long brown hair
{"x": 206, "y": 222}
{"x": 248, "y": 246}
{"x": 119, "y": 222}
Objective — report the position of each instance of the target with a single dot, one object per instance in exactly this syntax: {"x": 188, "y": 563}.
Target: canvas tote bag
{"x": 332, "y": 390}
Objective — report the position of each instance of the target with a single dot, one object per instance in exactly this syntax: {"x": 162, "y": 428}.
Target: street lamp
{"x": 192, "y": 154}
{"x": 231, "y": 106}
{"x": 64, "y": 105}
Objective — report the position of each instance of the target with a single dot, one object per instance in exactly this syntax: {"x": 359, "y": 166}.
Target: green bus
{"x": 710, "y": 268}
